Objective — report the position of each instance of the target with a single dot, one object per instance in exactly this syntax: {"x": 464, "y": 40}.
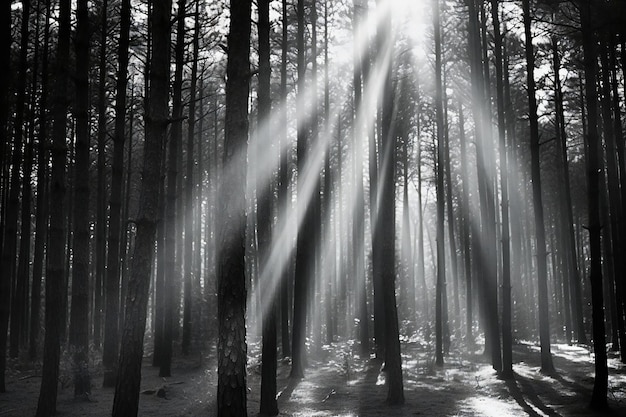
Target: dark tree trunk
{"x": 540, "y": 234}
{"x": 305, "y": 245}
{"x": 598, "y": 398}
{"x": 268, "y": 406}
{"x": 232, "y": 348}
{"x": 5, "y": 282}
{"x": 386, "y": 223}
{"x": 126, "y": 400}
{"x": 101, "y": 221}
{"x": 173, "y": 256}
{"x": 189, "y": 185}
{"x": 10, "y": 246}
{"x": 507, "y": 337}
{"x": 79, "y": 313}
{"x": 283, "y": 188}
{"x": 41, "y": 225}
{"x": 441, "y": 262}
{"x": 55, "y": 273}
{"x": 467, "y": 250}
{"x": 112, "y": 284}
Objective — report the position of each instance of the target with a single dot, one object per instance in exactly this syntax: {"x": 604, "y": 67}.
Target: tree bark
{"x": 232, "y": 348}
{"x": 112, "y": 284}
{"x": 598, "y": 398}
{"x": 126, "y": 400}
{"x": 55, "y": 271}
{"x": 540, "y": 237}
{"x": 79, "y": 313}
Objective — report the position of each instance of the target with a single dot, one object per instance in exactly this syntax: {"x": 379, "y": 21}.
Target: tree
{"x": 112, "y": 287}
{"x": 441, "y": 263}
{"x": 507, "y": 339}
{"x": 5, "y": 282}
{"x": 600, "y": 385}
{"x": 305, "y": 244}
{"x": 55, "y": 271}
{"x": 540, "y": 237}
{"x": 126, "y": 400}
{"x": 386, "y": 224}
{"x": 268, "y": 405}
{"x": 79, "y": 313}
{"x": 232, "y": 349}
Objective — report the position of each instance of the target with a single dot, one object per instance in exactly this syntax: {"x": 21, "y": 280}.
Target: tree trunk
{"x": 189, "y": 209}
{"x": 55, "y": 273}
{"x": 386, "y": 219}
{"x": 101, "y": 221}
{"x": 283, "y": 187}
{"x": 441, "y": 262}
{"x": 507, "y": 337}
{"x": 540, "y": 236}
{"x": 232, "y": 349}
{"x": 598, "y": 398}
{"x": 5, "y": 282}
{"x": 305, "y": 245}
{"x": 112, "y": 319}
{"x": 358, "y": 223}
{"x": 41, "y": 225}
{"x": 126, "y": 400}
{"x": 10, "y": 247}
{"x": 79, "y": 313}
{"x": 268, "y": 406}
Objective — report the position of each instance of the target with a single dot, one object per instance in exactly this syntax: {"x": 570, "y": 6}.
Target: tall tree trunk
{"x": 283, "y": 187}
{"x": 441, "y": 262}
{"x": 358, "y": 223}
{"x": 507, "y": 337}
{"x": 305, "y": 245}
{"x": 79, "y": 313}
{"x": 598, "y": 398}
{"x": 173, "y": 255}
{"x": 268, "y": 405}
{"x": 386, "y": 219}
{"x": 540, "y": 233}
{"x": 55, "y": 273}
{"x": 101, "y": 221}
{"x": 189, "y": 209}
{"x": 467, "y": 251}
{"x": 10, "y": 246}
{"x": 126, "y": 400}
{"x": 41, "y": 222}
{"x": 112, "y": 284}
{"x": 232, "y": 349}
{"x": 5, "y": 282}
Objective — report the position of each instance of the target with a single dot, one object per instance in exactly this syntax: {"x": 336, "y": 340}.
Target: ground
{"x": 338, "y": 383}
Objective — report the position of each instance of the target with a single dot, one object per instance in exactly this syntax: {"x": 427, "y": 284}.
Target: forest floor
{"x": 338, "y": 383}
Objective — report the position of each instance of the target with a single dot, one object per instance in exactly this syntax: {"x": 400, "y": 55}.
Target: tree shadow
{"x": 286, "y": 393}
{"x": 523, "y": 392}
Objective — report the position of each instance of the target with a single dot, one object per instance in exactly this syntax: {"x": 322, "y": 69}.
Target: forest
{"x": 312, "y": 208}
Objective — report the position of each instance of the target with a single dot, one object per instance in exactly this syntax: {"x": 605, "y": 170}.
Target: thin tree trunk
{"x": 41, "y": 225}
{"x": 439, "y": 175}
{"x": 189, "y": 218}
{"x": 507, "y": 337}
{"x": 5, "y": 282}
{"x": 101, "y": 221}
{"x": 269, "y": 405}
{"x": 598, "y": 398}
{"x": 79, "y": 313}
{"x": 55, "y": 273}
{"x": 112, "y": 319}
{"x": 540, "y": 237}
